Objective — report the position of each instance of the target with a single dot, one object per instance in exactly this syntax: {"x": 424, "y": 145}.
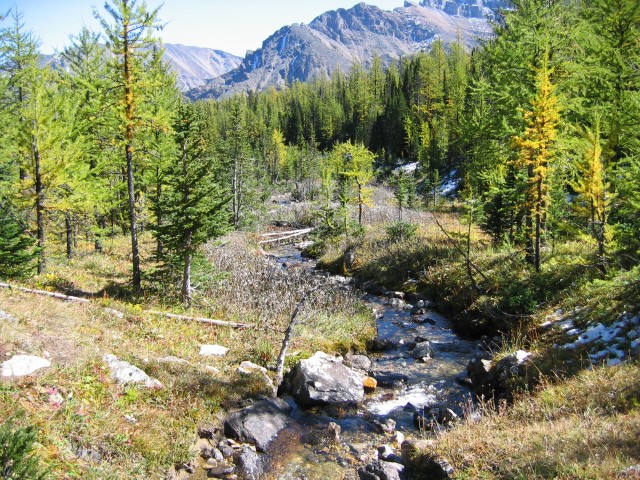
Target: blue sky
{"x": 234, "y": 26}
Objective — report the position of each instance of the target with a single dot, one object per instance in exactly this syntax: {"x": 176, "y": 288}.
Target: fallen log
{"x": 69, "y": 298}
{"x": 59, "y": 296}
{"x": 210, "y": 321}
{"x": 286, "y": 235}
{"x": 300, "y": 231}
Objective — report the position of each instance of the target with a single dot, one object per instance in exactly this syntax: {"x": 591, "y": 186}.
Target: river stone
{"x": 380, "y": 345}
{"x": 324, "y": 380}
{"x": 359, "y": 362}
{"x": 21, "y": 365}
{"x": 369, "y": 384}
{"x": 125, "y": 373}
{"x": 381, "y": 470}
{"x": 422, "y": 350}
{"x": 390, "y": 379}
{"x": 259, "y": 423}
{"x": 250, "y": 464}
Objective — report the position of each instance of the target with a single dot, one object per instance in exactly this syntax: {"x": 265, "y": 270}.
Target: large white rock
{"x": 21, "y": 365}
{"x": 124, "y": 373}
{"x": 213, "y": 350}
{"x": 324, "y": 380}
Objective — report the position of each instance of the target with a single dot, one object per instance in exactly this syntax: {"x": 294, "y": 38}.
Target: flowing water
{"x": 309, "y": 450}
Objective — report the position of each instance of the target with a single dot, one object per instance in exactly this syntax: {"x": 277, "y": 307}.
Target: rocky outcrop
{"x": 259, "y": 423}
{"x": 336, "y": 39}
{"x": 324, "y": 380}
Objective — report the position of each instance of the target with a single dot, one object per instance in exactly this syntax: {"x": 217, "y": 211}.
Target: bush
{"x": 17, "y": 461}
{"x": 400, "y": 231}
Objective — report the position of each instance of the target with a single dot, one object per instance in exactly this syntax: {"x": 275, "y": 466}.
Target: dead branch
{"x": 284, "y": 235}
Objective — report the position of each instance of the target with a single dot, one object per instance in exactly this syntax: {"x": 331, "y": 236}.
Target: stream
{"x": 308, "y": 450}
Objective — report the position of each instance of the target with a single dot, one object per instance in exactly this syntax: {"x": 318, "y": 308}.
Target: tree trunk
{"x": 159, "y": 245}
{"x": 186, "y": 277}
{"x": 69, "y": 228}
{"x": 129, "y": 134}
{"x": 39, "y": 204}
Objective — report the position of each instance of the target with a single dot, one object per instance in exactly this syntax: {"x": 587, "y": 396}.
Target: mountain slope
{"x": 195, "y": 65}
{"x": 337, "y": 39}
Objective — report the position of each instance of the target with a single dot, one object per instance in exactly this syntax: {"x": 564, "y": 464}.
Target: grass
{"x": 89, "y": 427}
{"x": 584, "y": 428}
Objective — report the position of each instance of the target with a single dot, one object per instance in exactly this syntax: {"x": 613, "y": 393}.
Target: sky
{"x": 233, "y": 26}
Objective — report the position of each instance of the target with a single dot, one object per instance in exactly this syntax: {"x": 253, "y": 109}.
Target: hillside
{"x": 336, "y": 40}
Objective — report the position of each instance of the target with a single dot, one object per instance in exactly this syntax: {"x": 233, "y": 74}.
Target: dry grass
{"x": 98, "y": 429}
{"x": 587, "y": 427}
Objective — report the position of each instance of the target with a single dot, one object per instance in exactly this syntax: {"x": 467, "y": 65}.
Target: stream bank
{"x": 415, "y": 362}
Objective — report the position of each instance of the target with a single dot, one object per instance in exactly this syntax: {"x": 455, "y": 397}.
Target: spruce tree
{"x": 192, "y": 206}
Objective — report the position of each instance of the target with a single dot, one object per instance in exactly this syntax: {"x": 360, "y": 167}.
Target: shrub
{"x": 17, "y": 461}
{"x": 400, "y": 231}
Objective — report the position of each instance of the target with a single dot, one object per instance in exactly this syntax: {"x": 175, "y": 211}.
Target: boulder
{"x": 125, "y": 373}
{"x": 423, "y": 351}
{"x": 21, "y": 365}
{"x": 480, "y": 376}
{"x": 250, "y": 464}
{"x": 259, "y": 423}
{"x": 324, "y": 380}
{"x": 381, "y": 470}
{"x": 390, "y": 379}
{"x": 511, "y": 366}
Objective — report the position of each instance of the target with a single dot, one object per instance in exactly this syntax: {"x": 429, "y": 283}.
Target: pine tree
{"x": 192, "y": 205}
{"x": 17, "y": 251}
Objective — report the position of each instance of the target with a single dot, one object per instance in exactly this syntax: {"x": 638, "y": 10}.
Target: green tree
{"x": 129, "y": 39}
{"x": 192, "y": 205}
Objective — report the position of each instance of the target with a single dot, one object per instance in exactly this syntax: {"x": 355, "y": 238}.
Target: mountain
{"x": 469, "y": 8}
{"x": 337, "y": 39}
{"x": 195, "y": 65}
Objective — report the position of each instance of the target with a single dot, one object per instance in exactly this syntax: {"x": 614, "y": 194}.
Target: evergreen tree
{"x": 192, "y": 205}
{"x": 17, "y": 250}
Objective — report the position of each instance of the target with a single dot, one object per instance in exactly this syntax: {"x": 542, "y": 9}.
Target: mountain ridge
{"x": 337, "y": 39}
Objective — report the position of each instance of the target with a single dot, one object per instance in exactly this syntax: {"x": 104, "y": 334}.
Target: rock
{"x": 480, "y": 376}
{"x": 398, "y": 438}
{"x": 250, "y": 368}
{"x": 209, "y": 432}
{"x": 390, "y": 379}
{"x": 389, "y": 425}
{"x": 423, "y": 351}
{"x": 172, "y": 359}
{"x": 324, "y": 380}
{"x": 125, "y": 373}
{"x": 213, "y": 350}
{"x": 250, "y": 464}
{"x": 435, "y": 415}
{"x": 333, "y": 430}
{"x": 399, "y": 295}
{"x": 417, "y": 460}
{"x": 395, "y": 302}
{"x": 221, "y": 470}
{"x": 631, "y": 473}
{"x": 511, "y": 366}
{"x": 8, "y": 317}
{"x": 359, "y": 362}
{"x": 369, "y": 384}
{"x": 381, "y": 470}
{"x": 372, "y": 287}
{"x": 386, "y": 453}
{"x": 259, "y": 423}
{"x": 380, "y": 345}
{"x": 22, "y": 365}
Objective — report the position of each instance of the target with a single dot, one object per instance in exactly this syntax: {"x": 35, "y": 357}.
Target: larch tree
{"x": 129, "y": 39}
{"x": 535, "y": 154}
